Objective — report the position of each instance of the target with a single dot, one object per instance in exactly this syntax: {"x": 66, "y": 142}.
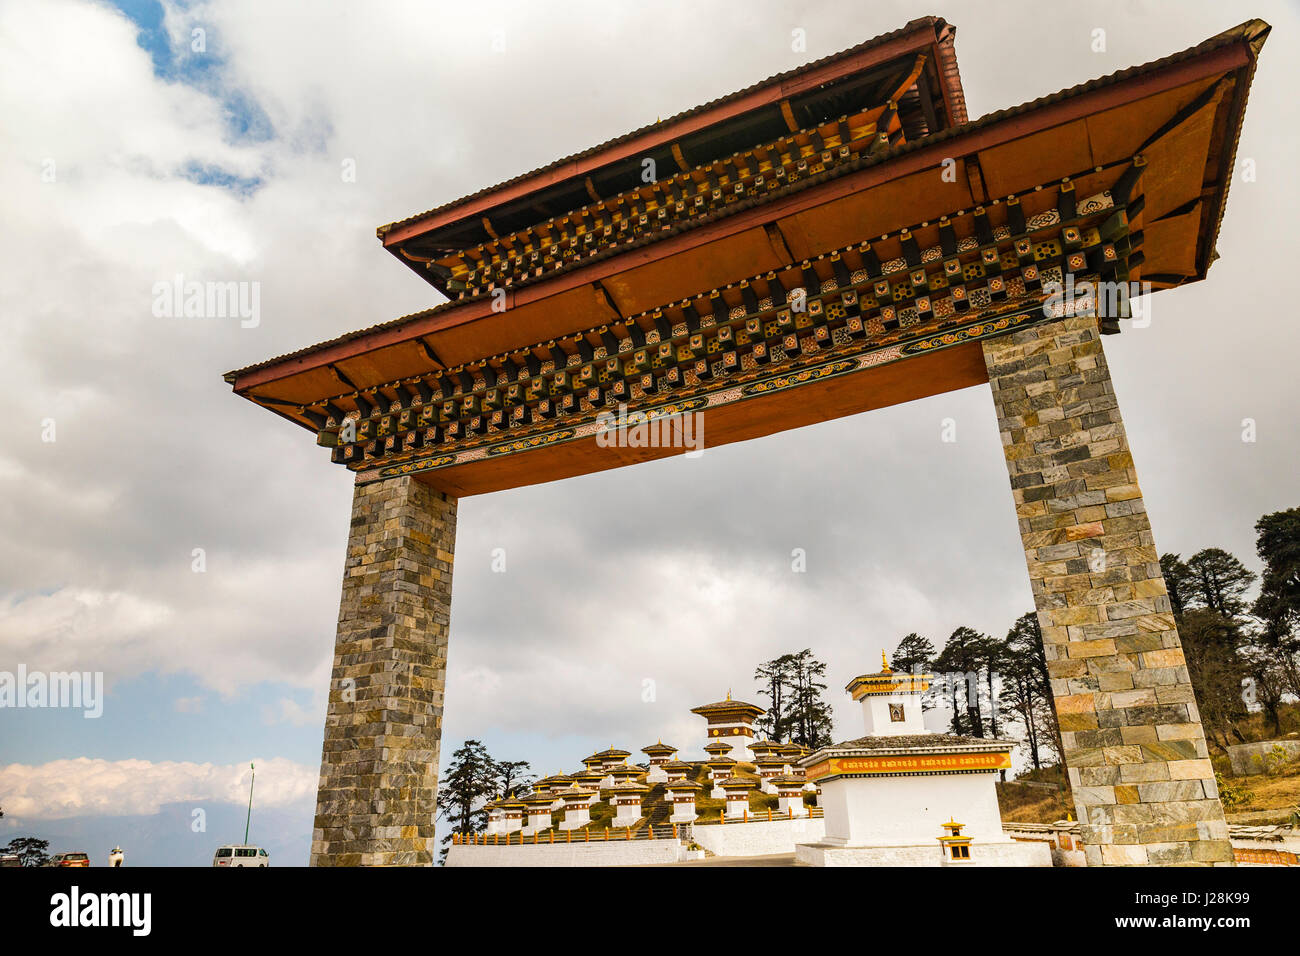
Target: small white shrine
{"x": 659, "y": 753}
{"x": 626, "y": 799}
{"x": 732, "y": 722}
{"x": 888, "y": 794}
{"x": 577, "y": 808}
{"x": 682, "y": 793}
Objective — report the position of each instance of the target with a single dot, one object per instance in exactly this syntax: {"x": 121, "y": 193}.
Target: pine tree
{"x": 774, "y": 677}
{"x": 1207, "y": 598}
{"x": 797, "y": 710}
{"x": 961, "y": 660}
{"x": 1027, "y": 690}
{"x": 513, "y": 778}
{"x": 914, "y": 654}
{"x": 471, "y": 780}
{"x": 1219, "y": 582}
{"x": 810, "y": 723}
{"x": 1278, "y": 605}
{"x": 1025, "y": 640}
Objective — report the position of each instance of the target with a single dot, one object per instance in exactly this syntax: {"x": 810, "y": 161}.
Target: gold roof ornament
{"x": 888, "y": 682}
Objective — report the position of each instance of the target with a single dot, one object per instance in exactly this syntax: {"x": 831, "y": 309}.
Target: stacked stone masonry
{"x": 1138, "y": 764}
{"x": 379, "y": 763}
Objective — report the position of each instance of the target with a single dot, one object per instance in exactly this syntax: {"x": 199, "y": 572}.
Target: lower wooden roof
{"x": 1182, "y": 115}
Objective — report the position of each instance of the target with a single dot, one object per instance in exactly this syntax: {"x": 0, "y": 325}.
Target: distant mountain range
{"x": 166, "y": 838}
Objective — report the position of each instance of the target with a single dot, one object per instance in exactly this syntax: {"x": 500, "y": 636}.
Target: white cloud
{"x": 86, "y": 787}
{"x": 675, "y": 571}
{"x": 288, "y": 711}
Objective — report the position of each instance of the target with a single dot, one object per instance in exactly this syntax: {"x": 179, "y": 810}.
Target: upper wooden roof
{"x": 1183, "y": 113}
{"x": 810, "y": 94}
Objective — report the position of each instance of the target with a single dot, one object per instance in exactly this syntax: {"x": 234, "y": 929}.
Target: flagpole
{"x": 249, "y": 818}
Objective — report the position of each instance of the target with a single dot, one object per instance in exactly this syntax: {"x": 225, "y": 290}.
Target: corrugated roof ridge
{"x": 910, "y": 26}
{"x": 1249, "y": 29}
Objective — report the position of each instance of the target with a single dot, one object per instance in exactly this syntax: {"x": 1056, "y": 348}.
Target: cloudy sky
{"x": 128, "y": 157}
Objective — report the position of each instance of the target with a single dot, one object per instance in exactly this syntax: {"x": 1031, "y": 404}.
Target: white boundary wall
{"x": 759, "y": 839}
{"x": 612, "y": 853}
{"x": 1010, "y": 853}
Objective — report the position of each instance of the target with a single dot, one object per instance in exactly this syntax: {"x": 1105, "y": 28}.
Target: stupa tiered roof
{"x": 621, "y": 772}
{"x": 760, "y": 748}
{"x": 723, "y": 709}
{"x": 554, "y": 781}
{"x": 888, "y": 681}
{"x": 628, "y": 786}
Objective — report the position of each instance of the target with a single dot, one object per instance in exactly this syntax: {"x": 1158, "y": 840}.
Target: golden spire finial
{"x": 884, "y": 662}
{"x": 728, "y": 693}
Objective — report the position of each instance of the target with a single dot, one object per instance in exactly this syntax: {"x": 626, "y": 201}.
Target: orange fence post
{"x": 674, "y": 831}
{"x": 552, "y": 836}
{"x": 628, "y": 831}
{"x": 769, "y": 814}
{"x": 745, "y": 818}
{"x": 568, "y": 836}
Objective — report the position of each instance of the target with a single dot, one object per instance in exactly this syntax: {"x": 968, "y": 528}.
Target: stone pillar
{"x": 1134, "y": 747}
{"x": 379, "y": 762}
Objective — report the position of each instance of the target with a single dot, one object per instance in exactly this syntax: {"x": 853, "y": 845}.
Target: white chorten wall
{"x": 902, "y": 811}
{"x": 626, "y": 814}
{"x": 683, "y": 812}
{"x": 739, "y": 746}
{"x": 879, "y": 722}
{"x": 737, "y": 806}
{"x": 791, "y": 804}
{"x": 575, "y": 816}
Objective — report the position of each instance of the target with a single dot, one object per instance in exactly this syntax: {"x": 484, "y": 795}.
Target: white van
{"x": 240, "y": 854}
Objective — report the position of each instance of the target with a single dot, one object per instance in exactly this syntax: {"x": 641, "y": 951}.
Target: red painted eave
{"x": 917, "y": 35}
{"x": 1230, "y": 54}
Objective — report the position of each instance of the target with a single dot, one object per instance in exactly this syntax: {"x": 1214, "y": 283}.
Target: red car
{"x": 69, "y": 859}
